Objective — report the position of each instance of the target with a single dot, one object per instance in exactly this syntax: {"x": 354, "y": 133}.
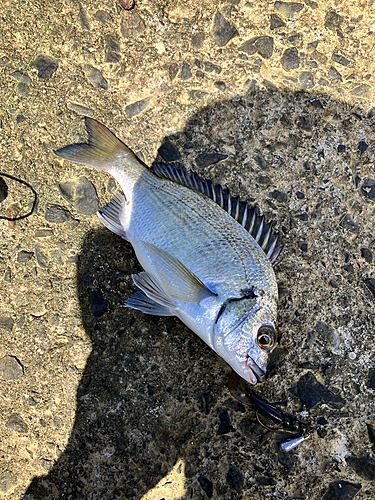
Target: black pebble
{"x": 3, "y": 189}
{"x": 312, "y": 392}
{"x": 265, "y": 481}
{"x": 300, "y": 195}
{"x": 366, "y": 254}
{"x": 341, "y": 490}
{"x": 185, "y": 72}
{"x": 206, "y": 486}
{"x": 357, "y": 180}
{"x": 224, "y": 426}
{"x": 362, "y": 146}
{"x": 341, "y": 148}
{"x": 287, "y": 460}
{"x": 316, "y": 103}
{"x": 235, "y": 478}
{"x": 188, "y": 145}
{"x": 364, "y": 467}
{"x": 304, "y": 247}
{"x": 279, "y": 196}
{"x": 169, "y": 152}
{"x": 371, "y": 433}
{"x": 98, "y": 304}
{"x": 371, "y": 379}
{"x": 368, "y": 188}
{"x": 205, "y": 159}
{"x": 46, "y": 66}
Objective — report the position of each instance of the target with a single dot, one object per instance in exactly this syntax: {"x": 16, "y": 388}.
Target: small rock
{"x": 340, "y": 60}
{"x": 16, "y": 423}
{"x": 126, "y": 4}
{"x": 263, "y": 45}
{"x": 197, "y": 40}
{"x": 20, "y": 77}
{"x": 235, "y": 478}
{"x": 79, "y": 109}
{"x": 306, "y": 80}
{"x": 341, "y": 490}
{"x": 288, "y": 9}
{"x": 290, "y": 59}
{"x": 206, "y": 486}
{"x": 276, "y": 22}
{"x": 3, "y": 189}
{"x": 98, "y": 304}
{"x": 363, "y": 90}
{"x": 42, "y": 258}
{"x": 24, "y": 256}
{"x": 103, "y": 16}
{"x": 304, "y": 247}
{"x": 279, "y": 196}
{"x": 43, "y": 233}
{"x": 210, "y": 67}
{"x": 370, "y": 283}
{"x": 83, "y": 20}
{"x": 173, "y": 70}
{"x": 57, "y": 214}
{"x": 222, "y": 31}
{"x": 112, "y": 49}
{"x": 131, "y": 24}
{"x": 341, "y": 148}
{"x": 366, "y": 254}
{"x": 371, "y": 433}
{"x": 318, "y": 56}
{"x": 46, "y": 464}
{"x": 7, "y": 481}
{"x": 287, "y": 460}
{"x": 333, "y": 73}
{"x": 348, "y": 223}
{"x": 86, "y": 199}
{"x": 269, "y": 86}
{"x": 185, "y": 72}
{"x": 333, "y": 21}
{"x": 46, "y": 66}
{"x": 6, "y": 323}
{"x": 266, "y": 481}
{"x": 137, "y": 107}
{"x": 205, "y": 159}
{"x": 312, "y": 64}
{"x": 327, "y": 333}
{"x": 312, "y": 392}
{"x": 224, "y": 426}
{"x": 95, "y": 77}
{"x": 362, "y": 146}
{"x": 20, "y": 118}
{"x": 371, "y": 374}
{"x": 364, "y": 467}
{"x": 68, "y": 190}
{"x": 10, "y": 368}
{"x": 168, "y": 151}
{"x": 220, "y": 85}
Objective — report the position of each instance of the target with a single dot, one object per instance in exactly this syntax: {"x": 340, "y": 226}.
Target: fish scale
{"x": 199, "y": 250}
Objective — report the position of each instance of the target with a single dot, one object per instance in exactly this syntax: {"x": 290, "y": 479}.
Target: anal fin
{"x": 141, "y": 302}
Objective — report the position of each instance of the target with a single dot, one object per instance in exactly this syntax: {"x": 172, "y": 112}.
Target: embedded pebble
{"x": 79, "y": 109}
{"x": 24, "y": 256}
{"x": 10, "y": 368}
{"x": 137, "y": 107}
{"x": 364, "y": 467}
{"x": 290, "y": 59}
{"x": 206, "y": 159}
{"x": 57, "y": 214}
{"x": 333, "y": 21}
{"x": 131, "y": 24}
{"x": 169, "y": 151}
{"x": 45, "y": 65}
{"x": 276, "y": 22}
{"x": 366, "y": 254}
{"x": 112, "y": 49}
{"x": 287, "y": 9}
{"x": 235, "y": 478}
{"x": 211, "y": 67}
{"x": 306, "y": 80}
{"x": 222, "y": 31}
{"x": 340, "y": 60}
{"x": 341, "y": 490}
{"x": 206, "y": 486}
{"x": 335, "y": 74}
{"x": 348, "y": 223}
{"x": 312, "y": 392}
{"x": 197, "y": 40}
{"x": 263, "y": 45}
{"x": 6, "y": 323}
{"x": 83, "y": 20}
{"x": 103, "y": 16}
{"x": 98, "y": 304}
{"x": 86, "y": 199}
{"x": 220, "y": 85}
{"x": 185, "y": 72}
{"x": 95, "y": 77}
{"x": 16, "y": 423}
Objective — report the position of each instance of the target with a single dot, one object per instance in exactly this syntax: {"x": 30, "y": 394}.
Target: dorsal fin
{"x": 247, "y": 216}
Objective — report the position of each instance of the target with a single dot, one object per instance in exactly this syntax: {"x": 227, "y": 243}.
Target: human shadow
{"x": 152, "y": 392}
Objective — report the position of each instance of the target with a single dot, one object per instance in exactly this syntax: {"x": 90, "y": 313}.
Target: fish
{"x": 207, "y": 257}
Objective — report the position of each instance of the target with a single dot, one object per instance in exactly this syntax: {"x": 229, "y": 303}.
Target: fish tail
{"x": 102, "y": 149}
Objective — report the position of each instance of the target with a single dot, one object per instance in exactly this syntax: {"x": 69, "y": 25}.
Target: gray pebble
{"x": 185, "y": 72}
{"x": 173, "y": 70}
{"x": 290, "y": 59}
{"x": 86, "y": 199}
{"x": 7, "y": 481}
{"x": 199, "y": 74}
{"x": 6, "y": 323}
{"x": 24, "y": 256}
{"x": 333, "y": 21}
{"x": 222, "y": 31}
{"x": 111, "y": 185}
{"x": 348, "y": 223}
{"x": 43, "y": 233}
{"x": 22, "y": 89}
{"x": 210, "y": 67}
{"x": 112, "y": 49}
{"x": 83, "y": 21}
{"x": 220, "y": 85}
{"x": 42, "y": 258}
{"x": 137, "y": 107}
{"x": 333, "y": 73}
{"x": 341, "y": 490}
{"x": 45, "y": 65}
{"x": 306, "y": 80}
{"x": 103, "y": 16}
{"x": 340, "y": 60}
{"x": 318, "y": 56}
{"x": 370, "y": 283}
{"x": 16, "y": 423}
{"x": 364, "y": 467}
{"x": 206, "y": 159}
{"x": 312, "y": 64}
{"x": 363, "y": 90}
{"x": 276, "y": 22}
{"x": 95, "y": 77}
{"x": 68, "y": 190}
{"x": 366, "y": 254}
{"x": 131, "y": 24}
{"x": 57, "y": 214}
{"x": 197, "y": 40}
{"x": 23, "y": 78}
{"x": 10, "y": 368}
{"x": 271, "y": 87}
{"x": 79, "y": 109}
{"x": 263, "y": 45}
{"x": 288, "y": 9}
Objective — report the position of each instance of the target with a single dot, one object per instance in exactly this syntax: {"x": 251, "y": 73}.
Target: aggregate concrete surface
{"x": 273, "y": 100}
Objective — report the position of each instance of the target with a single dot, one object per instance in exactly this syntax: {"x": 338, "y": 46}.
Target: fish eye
{"x": 266, "y": 337}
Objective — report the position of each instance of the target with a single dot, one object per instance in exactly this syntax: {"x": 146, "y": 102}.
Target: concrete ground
{"x": 273, "y": 100}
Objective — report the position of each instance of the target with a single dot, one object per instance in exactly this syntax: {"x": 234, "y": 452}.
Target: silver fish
{"x": 207, "y": 257}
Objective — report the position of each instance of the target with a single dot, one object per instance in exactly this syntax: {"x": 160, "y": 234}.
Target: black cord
{"x": 34, "y": 202}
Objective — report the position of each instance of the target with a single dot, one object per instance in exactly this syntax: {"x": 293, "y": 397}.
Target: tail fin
{"x": 102, "y": 148}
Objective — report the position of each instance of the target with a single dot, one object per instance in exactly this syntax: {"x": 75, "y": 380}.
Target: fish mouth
{"x": 256, "y": 374}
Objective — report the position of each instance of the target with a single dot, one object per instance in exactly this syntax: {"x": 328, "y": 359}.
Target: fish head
{"x": 245, "y": 334}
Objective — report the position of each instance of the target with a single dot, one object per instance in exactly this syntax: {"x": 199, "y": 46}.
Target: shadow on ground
{"x": 152, "y": 392}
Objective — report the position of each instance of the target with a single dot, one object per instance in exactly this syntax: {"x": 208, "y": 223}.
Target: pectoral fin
{"x": 150, "y": 287}
{"x": 177, "y": 281}
{"x": 143, "y": 303}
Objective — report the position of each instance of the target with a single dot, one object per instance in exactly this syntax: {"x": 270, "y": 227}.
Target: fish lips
{"x": 254, "y": 372}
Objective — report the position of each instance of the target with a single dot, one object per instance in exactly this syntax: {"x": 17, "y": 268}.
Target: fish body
{"x": 200, "y": 264}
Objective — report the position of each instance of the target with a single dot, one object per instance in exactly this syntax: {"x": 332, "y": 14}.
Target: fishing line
{"x": 3, "y": 217}
{"x": 33, "y": 56}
